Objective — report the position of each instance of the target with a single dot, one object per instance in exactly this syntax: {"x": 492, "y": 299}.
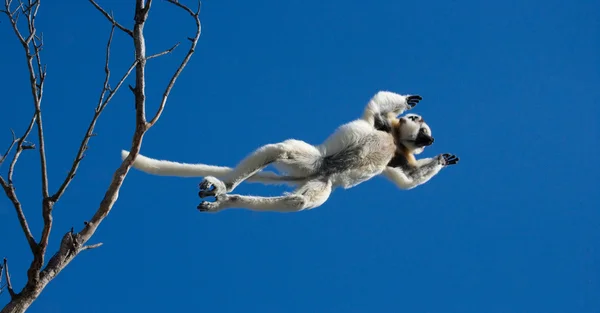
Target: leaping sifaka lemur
{"x": 378, "y": 143}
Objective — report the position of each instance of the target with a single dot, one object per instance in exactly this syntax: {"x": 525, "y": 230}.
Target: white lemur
{"x": 378, "y": 143}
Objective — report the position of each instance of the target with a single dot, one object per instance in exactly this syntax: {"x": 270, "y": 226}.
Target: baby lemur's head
{"x": 412, "y": 132}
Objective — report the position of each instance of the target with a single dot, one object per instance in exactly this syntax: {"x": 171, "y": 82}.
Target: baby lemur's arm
{"x": 410, "y": 174}
{"x": 385, "y": 105}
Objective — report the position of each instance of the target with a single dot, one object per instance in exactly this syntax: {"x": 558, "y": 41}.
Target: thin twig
{"x": 8, "y": 283}
{"x": 13, "y": 20}
{"x": 184, "y": 62}
{"x": 12, "y": 144}
{"x": 94, "y": 246}
{"x": 187, "y": 9}
{"x": 163, "y": 53}
{"x": 11, "y": 168}
{"x": 12, "y": 196}
{"x": 1, "y": 276}
{"x": 9, "y": 188}
{"x": 112, "y": 19}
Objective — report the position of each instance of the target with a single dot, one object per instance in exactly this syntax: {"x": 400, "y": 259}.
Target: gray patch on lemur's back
{"x": 350, "y": 157}
{"x": 338, "y": 162}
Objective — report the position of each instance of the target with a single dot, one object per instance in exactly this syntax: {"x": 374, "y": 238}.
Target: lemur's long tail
{"x": 170, "y": 168}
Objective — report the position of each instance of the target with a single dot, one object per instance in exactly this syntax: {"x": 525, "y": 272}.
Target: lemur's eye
{"x": 413, "y": 118}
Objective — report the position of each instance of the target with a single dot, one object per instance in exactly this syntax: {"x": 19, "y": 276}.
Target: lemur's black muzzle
{"x": 423, "y": 140}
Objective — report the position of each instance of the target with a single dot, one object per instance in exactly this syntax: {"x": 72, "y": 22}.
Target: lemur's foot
{"x": 209, "y": 207}
{"x": 412, "y": 100}
{"x": 218, "y": 187}
{"x": 448, "y": 159}
{"x": 213, "y": 207}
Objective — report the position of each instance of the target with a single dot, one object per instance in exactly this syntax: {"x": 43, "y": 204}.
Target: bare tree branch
{"x": 20, "y": 148}
{"x": 9, "y": 188}
{"x": 12, "y": 144}
{"x": 36, "y": 80}
{"x": 12, "y": 196}
{"x": 73, "y": 243}
{"x": 13, "y": 17}
{"x": 102, "y": 103}
{"x": 191, "y": 51}
{"x": 187, "y": 9}
{"x": 94, "y": 246}
{"x": 1, "y": 276}
{"x": 112, "y": 19}
{"x": 163, "y": 53}
{"x": 8, "y": 283}
{"x": 76, "y": 242}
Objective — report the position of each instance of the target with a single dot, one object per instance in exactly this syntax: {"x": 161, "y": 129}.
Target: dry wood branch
{"x": 9, "y": 188}
{"x": 112, "y": 19}
{"x": 13, "y": 17}
{"x": 32, "y": 49}
{"x": 187, "y": 9}
{"x": 1, "y": 277}
{"x": 12, "y": 144}
{"x": 8, "y": 282}
{"x": 20, "y": 148}
{"x": 102, "y": 103}
{"x": 94, "y": 246}
{"x": 59, "y": 260}
{"x": 111, "y": 194}
{"x": 73, "y": 243}
{"x": 36, "y": 79}
{"x": 12, "y": 196}
{"x": 163, "y": 53}
{"x": 184, "y": 62}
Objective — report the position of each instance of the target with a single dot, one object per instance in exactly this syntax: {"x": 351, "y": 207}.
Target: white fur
{"x": 372, "y": 150}
{"x": 405, "y": 181}
{"x": 170, "y": 168}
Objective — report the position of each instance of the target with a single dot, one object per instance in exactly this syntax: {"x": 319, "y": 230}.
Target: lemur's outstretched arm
{"x": 386, "y": 105}
{"x": 410, "y": 176}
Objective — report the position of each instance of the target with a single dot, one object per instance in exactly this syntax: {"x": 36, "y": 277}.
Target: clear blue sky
{"x": 511, "y": 87}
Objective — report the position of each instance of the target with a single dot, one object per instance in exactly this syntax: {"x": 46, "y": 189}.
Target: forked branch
{"x": 9, "y": 286}
{"x": 191, "y": 50}
{"x": 9, "y": 188}
{"x": 73, "y": 243}
{"x": 32, "y": 45}
{"x": 102, "y": 103}
{"x": 12, "y": 144}
{"x": 111, "y": 18}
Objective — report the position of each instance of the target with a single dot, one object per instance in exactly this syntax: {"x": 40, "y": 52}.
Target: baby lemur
{"x": 378, "y": 143}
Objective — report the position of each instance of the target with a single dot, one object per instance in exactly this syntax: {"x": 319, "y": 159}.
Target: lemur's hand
{"x": 447, "y": 159}
{"x": 412, "y": 100}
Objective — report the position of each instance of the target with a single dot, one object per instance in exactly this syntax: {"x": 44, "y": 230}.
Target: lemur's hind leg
{"x": 297, "y": 155}
{"x": 308, "y": 196}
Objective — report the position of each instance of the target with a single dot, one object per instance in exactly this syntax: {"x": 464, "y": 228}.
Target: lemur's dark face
{"x": 415, "y": 134}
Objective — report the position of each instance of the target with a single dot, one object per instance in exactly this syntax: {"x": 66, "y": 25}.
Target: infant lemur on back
{"x": 377, "y": 143}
